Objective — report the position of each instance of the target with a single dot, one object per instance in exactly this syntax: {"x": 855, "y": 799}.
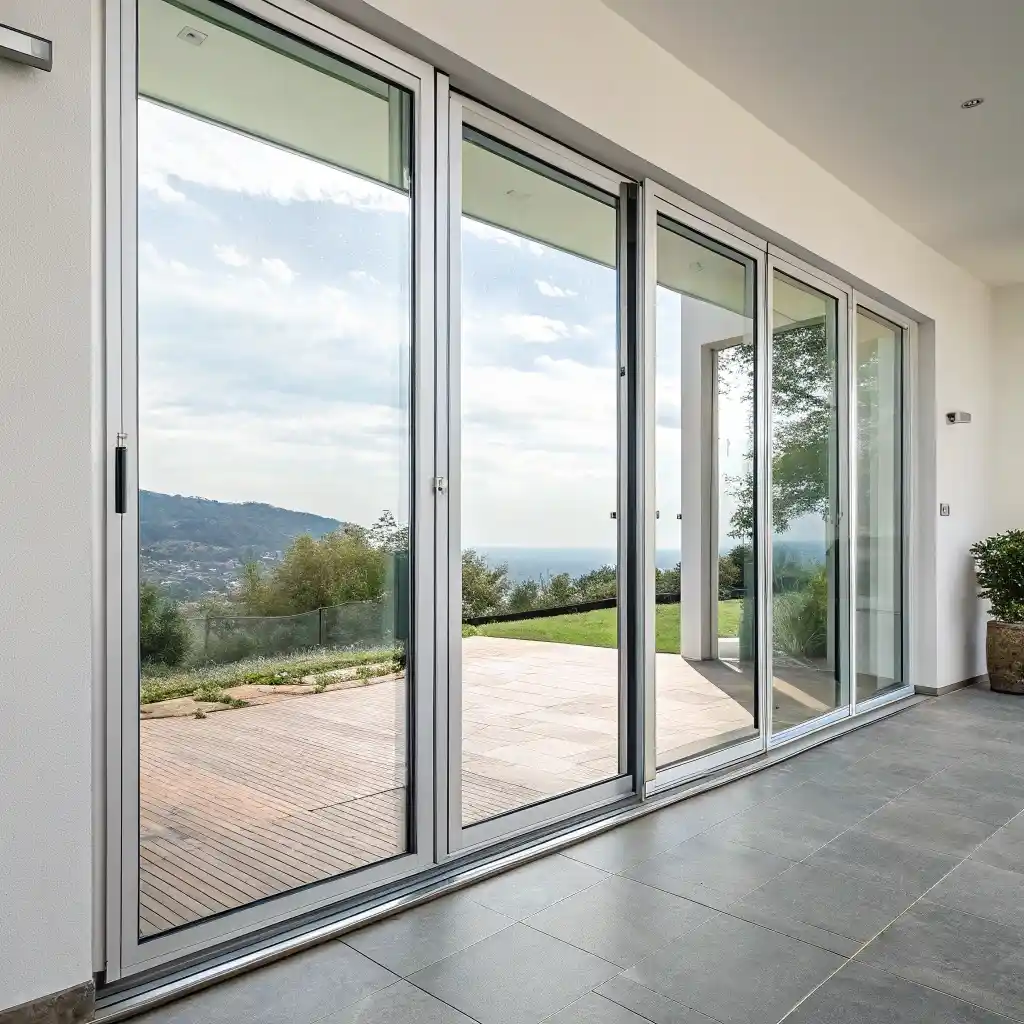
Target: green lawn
{"x": 597, "y": 629}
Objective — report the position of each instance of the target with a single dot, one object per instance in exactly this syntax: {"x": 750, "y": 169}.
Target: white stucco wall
{"x": 1007, "y": 464}
{"x": 46, "y": 310}
{"x": 583, "y": 60}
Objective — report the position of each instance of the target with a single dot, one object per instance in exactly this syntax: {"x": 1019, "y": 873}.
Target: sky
{"x": 274, "y": 350}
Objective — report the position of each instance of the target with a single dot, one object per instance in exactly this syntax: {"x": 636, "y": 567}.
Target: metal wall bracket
{"x": 26, "y": 48}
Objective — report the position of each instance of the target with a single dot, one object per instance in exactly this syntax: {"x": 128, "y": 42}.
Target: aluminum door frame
{"x": 124, "y": 953}
{"x": 660, "y": 201}
{"x": 452, "y": 836}
{"x": 805, "y": 273}
{"x": 908, "y": 437}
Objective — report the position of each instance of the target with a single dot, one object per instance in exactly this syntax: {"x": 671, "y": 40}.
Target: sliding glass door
{"x": 536, "y": 709}
{"x": 880, "y": 539}
{"x": 270, "y": 479}
{"x": 809, "y": 471}
{"x": 701, "y": 608}
{"x": 461, "y": 487}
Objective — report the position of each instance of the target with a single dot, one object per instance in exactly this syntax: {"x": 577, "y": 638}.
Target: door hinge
{"x": 440, "y": 484}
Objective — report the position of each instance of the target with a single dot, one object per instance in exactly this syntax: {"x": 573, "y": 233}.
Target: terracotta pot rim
{"x": 1006, "y": 625}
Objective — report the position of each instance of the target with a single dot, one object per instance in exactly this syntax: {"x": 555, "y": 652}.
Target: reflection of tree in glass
{"x": 803, "y": 389}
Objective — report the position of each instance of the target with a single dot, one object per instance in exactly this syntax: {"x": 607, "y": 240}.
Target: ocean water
{"x": 543, "y": 563}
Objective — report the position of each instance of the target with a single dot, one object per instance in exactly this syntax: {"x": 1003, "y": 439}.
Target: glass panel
{"x": 808, "y": 679}
{"x": 879, "y": 549}
{"x": 274, "y": 440}
{"x": 539, "y": 458}
{"x": 706, "y": 687}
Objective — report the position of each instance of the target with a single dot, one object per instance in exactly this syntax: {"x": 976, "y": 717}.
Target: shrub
{"x": 999, "y": 563}
{"x": 164, "y": 634}
{"x": 800, "y": 619}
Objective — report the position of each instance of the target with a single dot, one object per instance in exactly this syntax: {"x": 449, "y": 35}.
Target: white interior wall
{"x": 1007, "y": 456}
{"x": 580, "y": 59}
{"x": 47, "y": 282}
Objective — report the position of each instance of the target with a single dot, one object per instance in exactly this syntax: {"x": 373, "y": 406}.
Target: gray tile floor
{"x": 877, "y": 878}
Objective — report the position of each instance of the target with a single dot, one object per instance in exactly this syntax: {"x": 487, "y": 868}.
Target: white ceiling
{"x": 871, "y": 90}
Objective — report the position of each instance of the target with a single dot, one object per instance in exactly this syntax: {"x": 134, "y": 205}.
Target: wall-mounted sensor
{"x": 958, "y": 417}
{"x": 26, "y": 48}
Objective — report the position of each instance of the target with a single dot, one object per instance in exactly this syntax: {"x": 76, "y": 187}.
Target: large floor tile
{"x": 301, "y": 989}
{"x": 930, "y": 758}
{"x": 778, "y": 830}
{"x": 795, "y": 928}
{"x": 858, "y": 908}
{"x": 944, "y": 793}
{"x": 842, "y": 805}
{"x": 620, "y": 920}
{"x": 1005, "y": 848}
{"x": 884, "y": 775}
{"x": 966, "y": 956}
{"x": 826, "y": 758}
{"x": 985, "y": 891}
{"x": 517, "y": 976}
{"x": 710, "y": 871}
{"x": 736, "y": 972}
{"x": 628, "y": 845}
{"x": 401, "y": 1003}
{"x": 983, "y": 778}
{"x": 422, "y": 936}
{"x": 649, "y": 1004}
{"x": 862, "y": 995}
{"x": 595, "y": 1009}
{"x": 529, "y": 889}
{"x": 914, "y": 822}
{"x": 882, "y": 860}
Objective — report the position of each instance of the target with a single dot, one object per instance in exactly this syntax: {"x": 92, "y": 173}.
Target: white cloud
{"x": 362, "y": 275}
{"x": 156, "y": 182}
{"x": 553, "y": 291}
{"x": 176, "y": 146}
{"x": 478, "y": 229}
{"x": 229, "y": 255}
{"x": 533, "y": 328}
{"x": 278, "y": 270}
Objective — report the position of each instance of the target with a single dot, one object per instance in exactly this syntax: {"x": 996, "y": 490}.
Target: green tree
{"x": 387, "y": 535}
{"x": 668, "y": 581}
{"x": 484, "y": 588}
{"x": 597, "y": 584}
{"x": 560, "y": 590}
{"x": 803, "y": 388}
{"x": 524, "y": 596}
{"x": 730, "y": 578}
{"x": 164, "y": 635}
{"x": 341, "y": 567}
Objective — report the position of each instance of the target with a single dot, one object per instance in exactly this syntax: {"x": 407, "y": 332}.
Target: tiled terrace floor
{"x": 879, "y": 878}
{"x": 248, "y": 803}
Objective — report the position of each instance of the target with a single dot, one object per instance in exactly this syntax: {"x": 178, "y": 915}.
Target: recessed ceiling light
{"x": 972, "y": 103}
{"x": 192, "y": 35}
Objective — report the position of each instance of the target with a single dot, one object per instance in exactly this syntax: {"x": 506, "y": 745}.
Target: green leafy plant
{"x": 999, "y": 563}
{"x": 164, "y": 636}
{"x": 800, "y": 619}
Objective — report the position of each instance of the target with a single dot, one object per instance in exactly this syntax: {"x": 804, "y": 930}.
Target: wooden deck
{"x": 252, "y": 802}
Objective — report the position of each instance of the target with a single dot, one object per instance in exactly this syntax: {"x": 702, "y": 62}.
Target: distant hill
{"x": 172, "y": 521}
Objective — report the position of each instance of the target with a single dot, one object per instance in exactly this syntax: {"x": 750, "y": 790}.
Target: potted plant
{"x": 999, "y": 562}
